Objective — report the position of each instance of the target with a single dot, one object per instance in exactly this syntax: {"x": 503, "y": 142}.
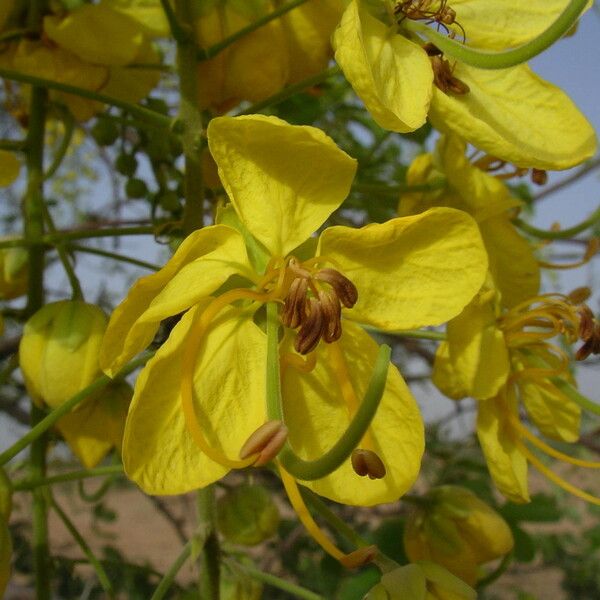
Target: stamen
{"x": 265, "y": 442}
{"x": 312, "y": 328}
{"x": 195, "y": 338}
{"x": 552, "y": 476}
{"x": 290, "y": 359}
{"x": 346, "y": 291}
{"x": 444, "y": 79}
{"x": 355, "y": 559}
{"x": 366, "y": 462}
{"x": 539, "y": 176}
{"x": 591, "y": 250}
{"x": 294, "y": 307}
{"x": 332, "y": 312}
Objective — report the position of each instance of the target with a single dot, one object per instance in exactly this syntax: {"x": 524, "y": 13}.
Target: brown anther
{"x": 312, "y": 329}
{"x": 266, "y": 441}
{"x": 294, "y": 307}
{"x": 446, "y": 15}
{"x": 539, "y": 176}
{"x": 431, "y": 49}
{"x": 592, "y": 248}
{"x": 587, "y": 324}
{"x": 332, "y": 312}
{"x": 358, "y": 558}
{"x": 579, "y": 295}
{"x": 444, "y": 79}
{"x": 367, "y": 463}
{"x": 346, "y": 291}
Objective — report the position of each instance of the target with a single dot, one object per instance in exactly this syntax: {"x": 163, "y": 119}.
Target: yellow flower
{"x": 505, "y": 360}
{"x": 422, "y": 580}
{"x": 457, "y": 530}
{"x": 14, "y": 272}
{"x": 283, "y": 182}
{"x": 75, "y": 51}
{"x": 511, "y": 113}
{"x": 9, "y": 168}
{"x": 514, "y": 269}
{"x": 262, "y": 62}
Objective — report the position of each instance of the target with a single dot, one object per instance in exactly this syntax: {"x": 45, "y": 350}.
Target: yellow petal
{"x": 390, "y": 74}
{"x": 283, "y": 180}
{"x": 97, "y": 425}
{"x": 477, "y": 350}
{"x": 507, "y": 466}
{"x": 445, "y": 377}
{"x": 504, "y": 24}
{"x": 316, "y": 416}
{"x": 9, "y": 167}
{"x": 147, "y": 13}
{"x": 159, "y": 453}
{"x": 516, "y": 116}
{"x": 203, "y": 262}
{"x": 410, "y": 271}
{"x": 96, "y": 34}
{"x": 308, "y": 31}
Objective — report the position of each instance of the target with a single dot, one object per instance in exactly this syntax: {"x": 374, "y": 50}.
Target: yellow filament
{"x": 195, "y": 338}
{"x": 561, "y": 266}
{"x": 293, "y": 493}
{"x": 552, "y": 476}
{"x": 289, "y": 359}
{"x": 340, "y": 369}
{"x": 549, "y": 450}
{"x": 311, "y": 262}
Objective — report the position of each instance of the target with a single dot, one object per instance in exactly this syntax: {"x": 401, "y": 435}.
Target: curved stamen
{"x": 195, "y": 338}
{"x": 354, "y": 559}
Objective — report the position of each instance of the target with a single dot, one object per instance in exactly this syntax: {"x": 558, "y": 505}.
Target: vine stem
{"x": 507, "y": 58}
{"x": 30, "y": 484}
{"x": 561, "y": 234}
{"x": 167, "y": 581}
{"x": 210, "y": 557}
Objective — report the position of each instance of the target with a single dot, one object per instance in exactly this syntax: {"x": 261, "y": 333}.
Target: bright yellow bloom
{"x": 507, "y": 361}
{"x": 9, "y": 168}
{"x": 511, "y": 113}
{"x": 422, "y": 580}
{"x": 259, "y": 64}
{"x": 284, "y": 182}
{"x": 513, "y": 267}
{"x": 457, "y": 530}
{"x": 75, "y": 51}
{"x": 14, "y": 272}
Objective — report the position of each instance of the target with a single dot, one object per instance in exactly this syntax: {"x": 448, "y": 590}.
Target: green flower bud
{"x": 59, "y": 349}
{"x": 247, "y": 515}
{"x": 236, "y": 585}
{"x": 14, "y": 272}
{"x": 105, "y": 132}
{"x": 136, "y": 188}
{"x": 126, "y": 164}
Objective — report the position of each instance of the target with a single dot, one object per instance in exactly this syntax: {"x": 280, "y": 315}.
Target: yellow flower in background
{"x": 74, "y": 50}
{"x": 14, "y": 272}
{"x": 513, "y": 266}
{"x": 261, "y": 63}
{"x": 511, "y": 114}
{"x": 456, "y": 530}
{"x": 422, "y": 580}
{"x": 9, "y": 167}
{"x": 284, "y": 182}
{"x": 507, "y": 361}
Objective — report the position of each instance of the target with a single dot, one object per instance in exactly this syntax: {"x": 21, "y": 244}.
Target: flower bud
{"x": 58, "y": 353}
{"x": 14, "y": 271}
{"x": 419, "y": 581}
{"x": 247, "y": 515}
{"x": 457, "y": 530}
{"x": 236, "y": 585}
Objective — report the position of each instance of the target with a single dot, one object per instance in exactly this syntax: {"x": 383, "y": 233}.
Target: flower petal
{"x": 507, "y": 466}
{"x": 9, "y": 167}
{"x": 159, "y": 453}
{"x": 516, "y": 116}
{"x": 411, "y": 271}
{"x": 317, "y": 416}
{"x": 283, "y": 180}
{"x": 202, "y": 263}
{"x": 390, "y": 74}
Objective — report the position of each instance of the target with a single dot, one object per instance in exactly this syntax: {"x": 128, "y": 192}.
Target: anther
{"x": 539, "y": 176}
{"x": 294, "y": 307}
{"x": 444, "y": 79}
{"x": 312, "y": 328}
{"x": 586, "y": 322}
{"x": 360, "y": 557}
{"x": 346, "y": 291}
{"x": 579, "y": 295}
{"x": 332, "y": 312}
{"x": 367, "y": 463}
{"x": 266, "y": 441}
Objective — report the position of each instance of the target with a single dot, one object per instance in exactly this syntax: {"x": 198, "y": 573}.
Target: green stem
{"x": 69, "y": 125}
{"x": 562, "y": 233}
{"x": 191, "y": 115}
{"x": 291, "y": 91}
{"x": 277, "y": 582}
{"x": 496, "y": 573}
{"x": 43, "y": 424}
{"x": 169, "y": 577}
{"x": 141, "y": 112}
{"x": 508, "y": 58}
{"x": 210, "y": 557}
{"x": 13, "y": 145}
{"x": 179, "y": 33}
{"x": 96, "y": 564}
{"x": 115, "y": 256}
{"x": 309, "y": 470}
{"x": 395, "y": 190}
{"x": 205, "y": 54}
{"x": 30, "y": 484}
